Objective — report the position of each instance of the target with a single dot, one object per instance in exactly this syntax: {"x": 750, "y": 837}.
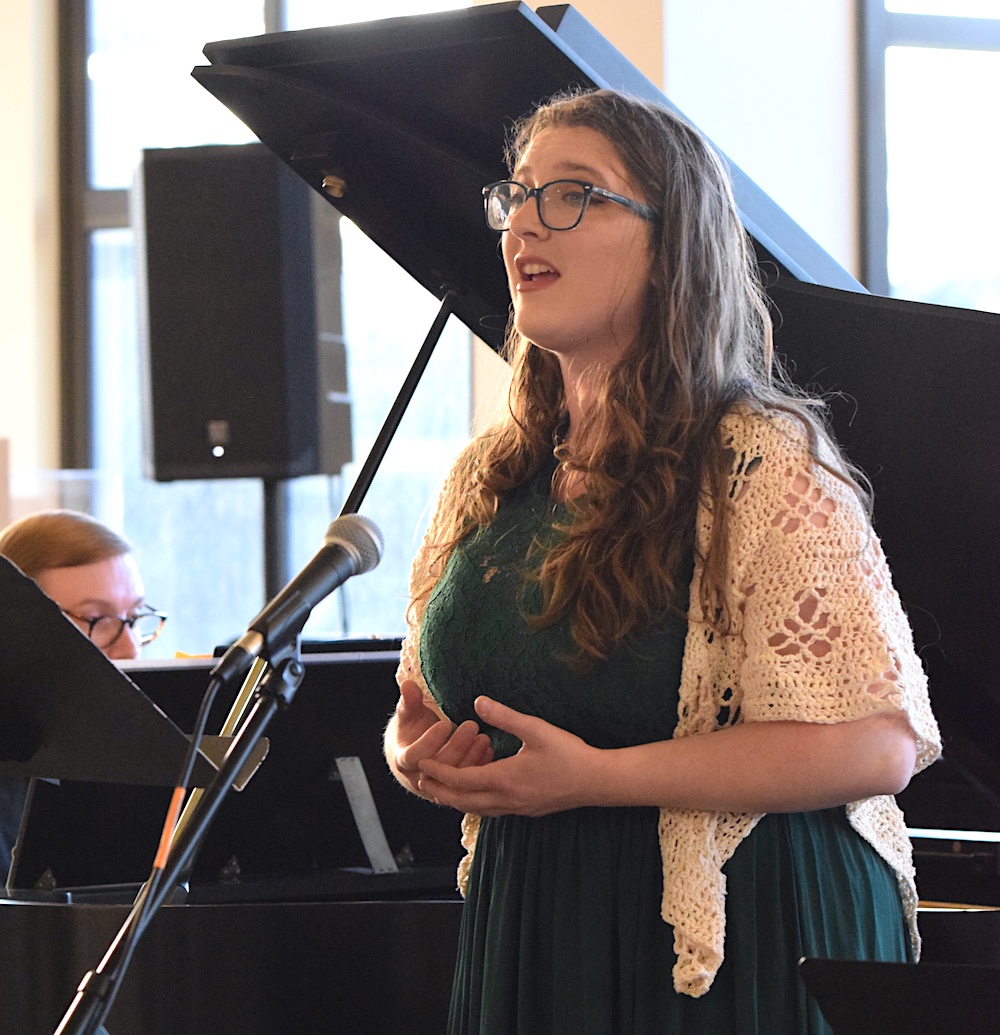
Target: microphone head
{"x": 361, "y": 536}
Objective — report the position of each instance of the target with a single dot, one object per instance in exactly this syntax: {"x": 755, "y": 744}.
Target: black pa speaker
{"x": 244, "y": 362}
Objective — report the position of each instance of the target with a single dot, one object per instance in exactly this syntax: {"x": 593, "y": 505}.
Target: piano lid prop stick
{"x": 367, "y": 473}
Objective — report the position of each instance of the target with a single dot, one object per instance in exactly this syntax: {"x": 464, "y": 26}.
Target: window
{"x": 127, "y": 86}
{"x": 932, "y": 214}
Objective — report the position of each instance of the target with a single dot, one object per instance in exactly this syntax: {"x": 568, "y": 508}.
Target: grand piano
{"x": 363, "y": 111}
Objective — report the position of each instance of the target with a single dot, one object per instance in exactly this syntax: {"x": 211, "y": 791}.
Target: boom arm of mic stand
{"x": 367, "y": 473}
{"x": 96, "y": 992}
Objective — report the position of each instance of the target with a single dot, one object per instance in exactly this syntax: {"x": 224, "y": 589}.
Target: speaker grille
{"x": 233, "y": 378}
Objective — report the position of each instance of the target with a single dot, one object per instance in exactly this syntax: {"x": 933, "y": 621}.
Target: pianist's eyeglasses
{"x": 561, "y": 203}
{"x": 104, "y": 630}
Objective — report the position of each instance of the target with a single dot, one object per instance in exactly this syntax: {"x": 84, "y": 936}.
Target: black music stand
{"x": 66, "y": 711}
{"x": 861, "y": 997}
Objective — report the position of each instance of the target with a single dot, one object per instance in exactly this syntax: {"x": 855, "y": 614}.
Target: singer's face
{"x": 108, "y": 587}
{"x": 579, "y": 293}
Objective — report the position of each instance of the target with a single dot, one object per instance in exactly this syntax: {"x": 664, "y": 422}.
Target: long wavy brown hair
{"x": 654, "y": 451}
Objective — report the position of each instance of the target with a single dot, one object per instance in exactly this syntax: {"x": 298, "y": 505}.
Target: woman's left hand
{"x": 548, "y": 774}
{"x": 750, "y": 767}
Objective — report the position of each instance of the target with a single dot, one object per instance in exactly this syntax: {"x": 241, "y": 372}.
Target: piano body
{"x": 363, "y": 112}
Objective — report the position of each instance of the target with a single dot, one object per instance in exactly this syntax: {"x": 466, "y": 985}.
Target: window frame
{"x": 82, "y": 210}
{"x": 879, "y": 29}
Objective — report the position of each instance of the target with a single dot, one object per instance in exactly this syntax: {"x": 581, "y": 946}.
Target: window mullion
{"x": 76, "y": 437}
{"x": 105, "y": 209}
{"x": 872, "y": 40}
{"x": 928, "y": 30}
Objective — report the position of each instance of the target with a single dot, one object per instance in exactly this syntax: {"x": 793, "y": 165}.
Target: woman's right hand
{"x": 416, "y": 732}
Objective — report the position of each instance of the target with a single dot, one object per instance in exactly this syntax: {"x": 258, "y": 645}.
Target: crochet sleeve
{"x": 817, "y": 634}
{"x": 825, "y": 635}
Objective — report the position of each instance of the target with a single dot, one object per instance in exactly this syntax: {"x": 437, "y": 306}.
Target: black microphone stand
{"x": 96, "y": 991}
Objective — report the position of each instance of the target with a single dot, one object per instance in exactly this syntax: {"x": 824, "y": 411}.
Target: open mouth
{"x": 533, "y": 271}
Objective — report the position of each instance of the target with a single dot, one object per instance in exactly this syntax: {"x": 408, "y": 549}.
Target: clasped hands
{"x": 454, "y": 765}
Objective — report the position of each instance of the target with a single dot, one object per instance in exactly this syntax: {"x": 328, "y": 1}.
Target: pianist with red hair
{"x": 89, "y": 571}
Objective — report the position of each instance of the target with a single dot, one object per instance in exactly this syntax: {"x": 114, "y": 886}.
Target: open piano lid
{"x": 411, "y": 115}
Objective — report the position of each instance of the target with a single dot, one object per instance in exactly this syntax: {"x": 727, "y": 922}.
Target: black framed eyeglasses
{"x": 105, "y": 630}
{"x": 561, "y": 203}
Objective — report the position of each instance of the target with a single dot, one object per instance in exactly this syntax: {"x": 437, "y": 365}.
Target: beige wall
{"x": 29, "y": 397}
{"x": 635, "y": 27}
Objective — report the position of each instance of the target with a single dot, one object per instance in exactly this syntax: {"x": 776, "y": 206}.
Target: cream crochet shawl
{"x": 818, "y": 635}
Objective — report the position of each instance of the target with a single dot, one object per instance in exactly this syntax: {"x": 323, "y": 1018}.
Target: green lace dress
{"x": 561, "y": 931}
